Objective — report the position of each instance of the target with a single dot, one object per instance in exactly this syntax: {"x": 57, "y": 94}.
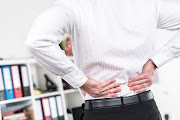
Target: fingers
{"x": 138, "y": 82}
{"x": 109, "y": 88}
{"x": 111, "y": 91}
{"x": 140, "y": 87}
{"x": 105, "y": 89}
{"x": 112, "y": 85}
{"x": 108, "y": 82}
{"x": 111, "y": 95}
{"x": 139, "y": 77}
{"x": 141, "y": 90}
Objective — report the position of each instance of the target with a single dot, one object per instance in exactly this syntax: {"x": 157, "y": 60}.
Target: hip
{"x": 146, "y": 110}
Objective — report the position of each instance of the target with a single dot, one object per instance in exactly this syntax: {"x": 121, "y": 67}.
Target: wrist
{"x": 82, "y": 87}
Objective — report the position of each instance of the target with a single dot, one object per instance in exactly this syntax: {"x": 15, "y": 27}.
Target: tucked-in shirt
{"x": 111, "y": 39}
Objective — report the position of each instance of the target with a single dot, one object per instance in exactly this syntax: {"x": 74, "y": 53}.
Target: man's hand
{"x": 100, "y": 89}
{"x": 143, "y": 81}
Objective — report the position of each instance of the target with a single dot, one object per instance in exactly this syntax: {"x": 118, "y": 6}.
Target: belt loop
{"x": 90, "y": 105}
{"x": 82, "y": 106}
{"x": 122, "y": 101}
{"x": 139, "y": 98}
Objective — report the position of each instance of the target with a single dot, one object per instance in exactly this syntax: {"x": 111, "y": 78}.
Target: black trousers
{"x": 147, "y": 110}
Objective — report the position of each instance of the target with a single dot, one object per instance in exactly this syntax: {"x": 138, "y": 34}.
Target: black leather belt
{"x": 118, "y": 101}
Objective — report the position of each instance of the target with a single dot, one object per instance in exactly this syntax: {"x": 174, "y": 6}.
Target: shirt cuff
{"x": 162, "y": 56}
{"x": 75, "y": 78}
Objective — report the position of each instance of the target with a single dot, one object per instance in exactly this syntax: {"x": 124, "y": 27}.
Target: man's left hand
{"x": 143, "y": 81}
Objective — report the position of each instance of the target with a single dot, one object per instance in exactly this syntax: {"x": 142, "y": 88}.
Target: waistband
{"x": 117, "y": 101}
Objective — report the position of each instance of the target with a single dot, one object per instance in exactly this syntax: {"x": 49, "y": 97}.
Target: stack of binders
{"x": 2, "y": 92}
{"x": 50, "y": 108}
{"x": 14, "y": 82}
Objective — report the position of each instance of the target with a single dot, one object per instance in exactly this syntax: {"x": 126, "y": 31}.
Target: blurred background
{"x": 16, "y": 19}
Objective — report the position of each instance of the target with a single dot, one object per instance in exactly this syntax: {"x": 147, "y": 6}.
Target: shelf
{"x": 15, "y": 100}
{"x": 47, "y": 94}
{"x": 33, "y": 74}
{"x": 22, "y": 61}
{"x": 70, "y": 91}
{"x": 14, "y": 61}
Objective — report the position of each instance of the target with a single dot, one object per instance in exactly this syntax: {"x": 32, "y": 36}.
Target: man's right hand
{"x": 101, "y": 89}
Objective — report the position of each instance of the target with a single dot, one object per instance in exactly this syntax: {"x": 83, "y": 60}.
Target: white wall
{"x": 16, "y": 19}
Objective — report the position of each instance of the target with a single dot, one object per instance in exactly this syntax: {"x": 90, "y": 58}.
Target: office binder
{"x": 2, "y": 91}
{"x": 46, "y": 108}
{"x": 6, "y": 72}
{"x": 53, "y": 107}
{"x": 16, "y": 81}
{"x": 25, "y": 80}
{"x": 60, "y": 107}
{"x": 39, "y": 113}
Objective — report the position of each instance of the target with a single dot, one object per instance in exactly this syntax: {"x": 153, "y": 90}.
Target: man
{"x": 114, "y": 57}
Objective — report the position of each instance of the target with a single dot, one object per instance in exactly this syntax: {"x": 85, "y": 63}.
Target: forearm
{"x": 43, "y": 40}
{"x": 168, "y": 52}
{"x": 52, "y": 58}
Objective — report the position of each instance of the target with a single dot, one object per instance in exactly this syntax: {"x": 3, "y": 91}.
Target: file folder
{"x": 16, "y": 81}
{"x": 39, "y": 113}
{"x": 25, "y": 80}
{"x": 60, "y": 107}
{"x": 2, "y": 91}
{"x": 53, "y": 107}
{"x": 6, "y": 72}
{"x": 46, "y": 108}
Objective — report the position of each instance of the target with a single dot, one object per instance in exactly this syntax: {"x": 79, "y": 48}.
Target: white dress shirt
{"x": 111, "y": 39}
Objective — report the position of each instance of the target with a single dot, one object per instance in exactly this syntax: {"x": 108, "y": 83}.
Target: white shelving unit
{"x": 15, "y": 100}
{"x": 70, "y": 98}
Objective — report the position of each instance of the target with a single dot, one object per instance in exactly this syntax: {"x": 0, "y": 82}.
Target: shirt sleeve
{"x": 169, "y": 19}
{"x": 43, "y": 41}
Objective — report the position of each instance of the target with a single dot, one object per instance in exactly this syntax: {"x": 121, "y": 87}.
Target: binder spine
{"x": 26, "y": 91}
{"x": 18, "y": 90}
{"x": 9, "y": 92}
{"x": 24, "y": 80}
{"x": 60, "y": 107}
{"x": 2, "y": 95}
{"x": 46, "y": 109}
{"x": 2, "y": 91}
